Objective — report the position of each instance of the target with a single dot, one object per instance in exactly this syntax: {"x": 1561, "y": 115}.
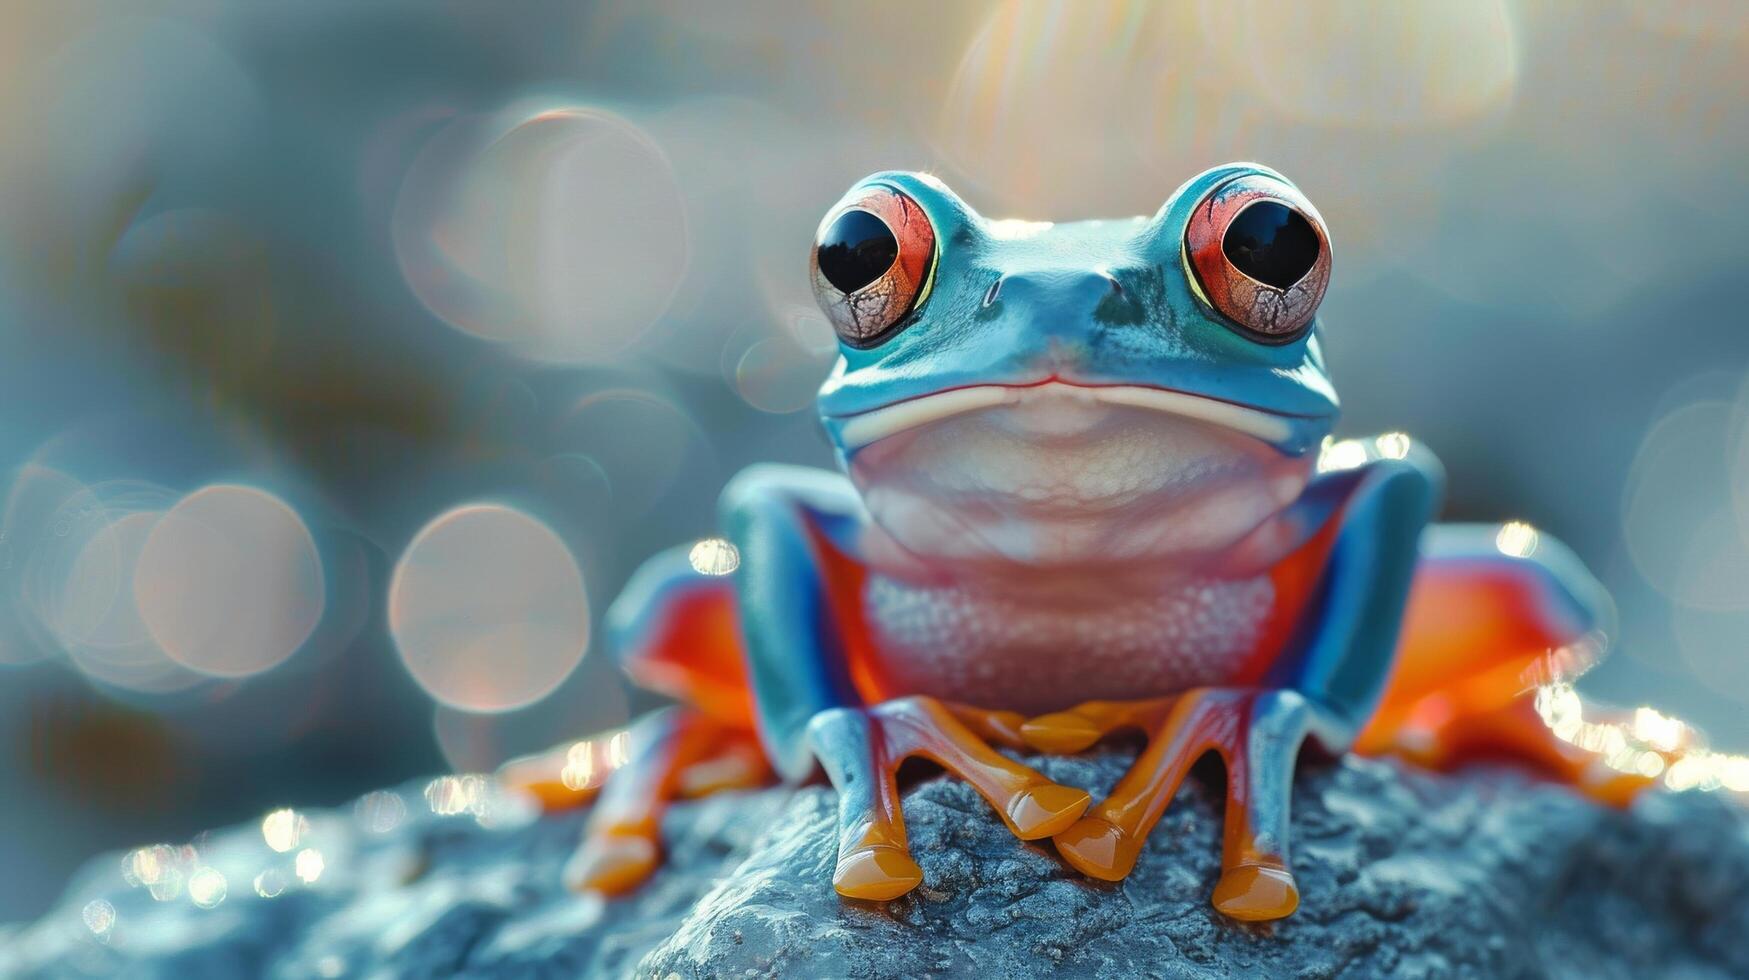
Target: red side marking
{"x": 695, "y": 655}
{"x": 846, "y": 579}
{"x": 1295, "y": 577}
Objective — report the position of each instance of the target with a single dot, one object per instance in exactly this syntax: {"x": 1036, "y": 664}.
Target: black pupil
{"x": 1272, "y": 243}
{"x": 857, "y": 250}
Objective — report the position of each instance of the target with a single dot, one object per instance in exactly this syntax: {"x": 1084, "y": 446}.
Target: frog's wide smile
{"x": 860, "y": 429}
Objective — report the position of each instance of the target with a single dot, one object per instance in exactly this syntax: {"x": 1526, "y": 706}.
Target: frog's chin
{"x": 1056, "y": 477}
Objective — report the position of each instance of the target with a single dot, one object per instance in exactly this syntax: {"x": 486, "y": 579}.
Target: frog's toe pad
{"x": 1099, "y": 849}
{"x": 1046, "y": 810}
{"x": 1253, "y": 893}
{"x": 876, "y": 874}
{"x": 612, "y": 863}
{"x": 1063, "y": 732}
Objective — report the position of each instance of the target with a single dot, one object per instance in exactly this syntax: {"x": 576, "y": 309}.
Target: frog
{"x": 1087, "y": 489}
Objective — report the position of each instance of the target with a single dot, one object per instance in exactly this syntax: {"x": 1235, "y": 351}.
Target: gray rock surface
{"x": 1403, "y": 873}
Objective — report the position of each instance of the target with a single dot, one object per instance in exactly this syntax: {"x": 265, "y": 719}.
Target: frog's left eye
{"x": 1257, "y": 251}
{"x": 873, "y": 264}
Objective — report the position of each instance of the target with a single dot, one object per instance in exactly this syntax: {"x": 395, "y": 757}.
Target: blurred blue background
{"x": 352, "y": 355}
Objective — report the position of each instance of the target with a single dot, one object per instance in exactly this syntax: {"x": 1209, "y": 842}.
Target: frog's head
{"x": 1057, "y": 393}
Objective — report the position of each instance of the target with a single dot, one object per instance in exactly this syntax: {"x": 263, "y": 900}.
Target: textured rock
{"x": 1402, "y": 874}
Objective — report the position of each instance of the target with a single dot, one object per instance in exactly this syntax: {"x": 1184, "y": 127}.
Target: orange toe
{"x": 1251, "y": 893}
{"x": 612, "y": 863}
{"x": 1062, "y": 732}
{"x": 554, "y": 795}
{"x": 1099, "y": 849}
{"x": 876, "y": 874}
{"x": 545, "y": 777}
{"x": 1610, "y": 787}
{"x": 1046, "y": 810}
{"x": 1003, "y": 727}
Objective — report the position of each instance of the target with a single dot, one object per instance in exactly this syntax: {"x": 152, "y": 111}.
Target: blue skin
{"x": 1092, "y": 303}
{"x": 1055, "y": 295}
{"x": 1055, "y": 287}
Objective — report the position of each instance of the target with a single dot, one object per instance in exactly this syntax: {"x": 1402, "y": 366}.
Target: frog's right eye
{"x": 872, "y": 265}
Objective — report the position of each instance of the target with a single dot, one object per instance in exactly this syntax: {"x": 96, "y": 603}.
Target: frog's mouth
{"x": 864, "y": 428}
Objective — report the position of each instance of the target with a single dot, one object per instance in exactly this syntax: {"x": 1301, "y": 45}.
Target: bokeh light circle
{"x": 1713, "y": 21}
{"x": 1413, "y": 63}
{"x": 29, "y": 523}
{"x": 777, "y": 376}
{"x": 488, "y": 609}
{"x": 1013, "y": 120}
{"x": 1737, "y": 460}
{"x": 96, "y": 604}
{"x": 466, "y": 739}
{"x": 75, "y": 583}
{"x": 561, "y": 234}
{"x": 1710, "y": 615}
{"x": 97, "y": 620}
{"x": 578, "y": 480}
{"x": 229, "y": 582}
{"x": 1668, "y": 500}
{"x": 643, "y": 442}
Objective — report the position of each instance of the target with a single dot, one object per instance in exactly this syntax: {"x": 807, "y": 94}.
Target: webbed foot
{"x": 861, "y": 749}
{"x": 1257, "y": 733}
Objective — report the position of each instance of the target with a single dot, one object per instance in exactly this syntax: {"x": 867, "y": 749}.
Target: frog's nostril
{"x": 1071, "y": 286}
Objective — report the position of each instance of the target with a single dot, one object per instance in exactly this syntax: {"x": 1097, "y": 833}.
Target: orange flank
{"x": 1475, "y": 647}
{"x": 694, "y": 655}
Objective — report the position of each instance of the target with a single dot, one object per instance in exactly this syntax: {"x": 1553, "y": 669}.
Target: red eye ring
{"x": 1257, "y": 253}
{"x": 872, "y": 264}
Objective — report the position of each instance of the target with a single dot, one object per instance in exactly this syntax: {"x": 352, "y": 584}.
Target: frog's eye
{"x": 1257, "y": 252}
{"x": 873, "y": 264}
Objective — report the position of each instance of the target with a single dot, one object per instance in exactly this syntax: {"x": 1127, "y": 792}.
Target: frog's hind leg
{"x": 563, "y": 777}
{"x": 673, "y": 631}
{"x": 673, "y": 753}
{"x": 1495, "y": 612}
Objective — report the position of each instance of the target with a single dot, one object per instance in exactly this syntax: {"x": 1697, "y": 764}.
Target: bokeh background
{"x": 353, "y": 354}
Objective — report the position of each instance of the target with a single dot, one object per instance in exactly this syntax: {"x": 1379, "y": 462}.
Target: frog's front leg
{"x": 796, "y": 530}
{"x": 861, "y": 750}
{"x": 1257, "y": 733}
{"x": 1324, "y": 684}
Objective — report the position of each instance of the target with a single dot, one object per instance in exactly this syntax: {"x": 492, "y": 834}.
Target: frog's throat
{"x": 876, "y": 424}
